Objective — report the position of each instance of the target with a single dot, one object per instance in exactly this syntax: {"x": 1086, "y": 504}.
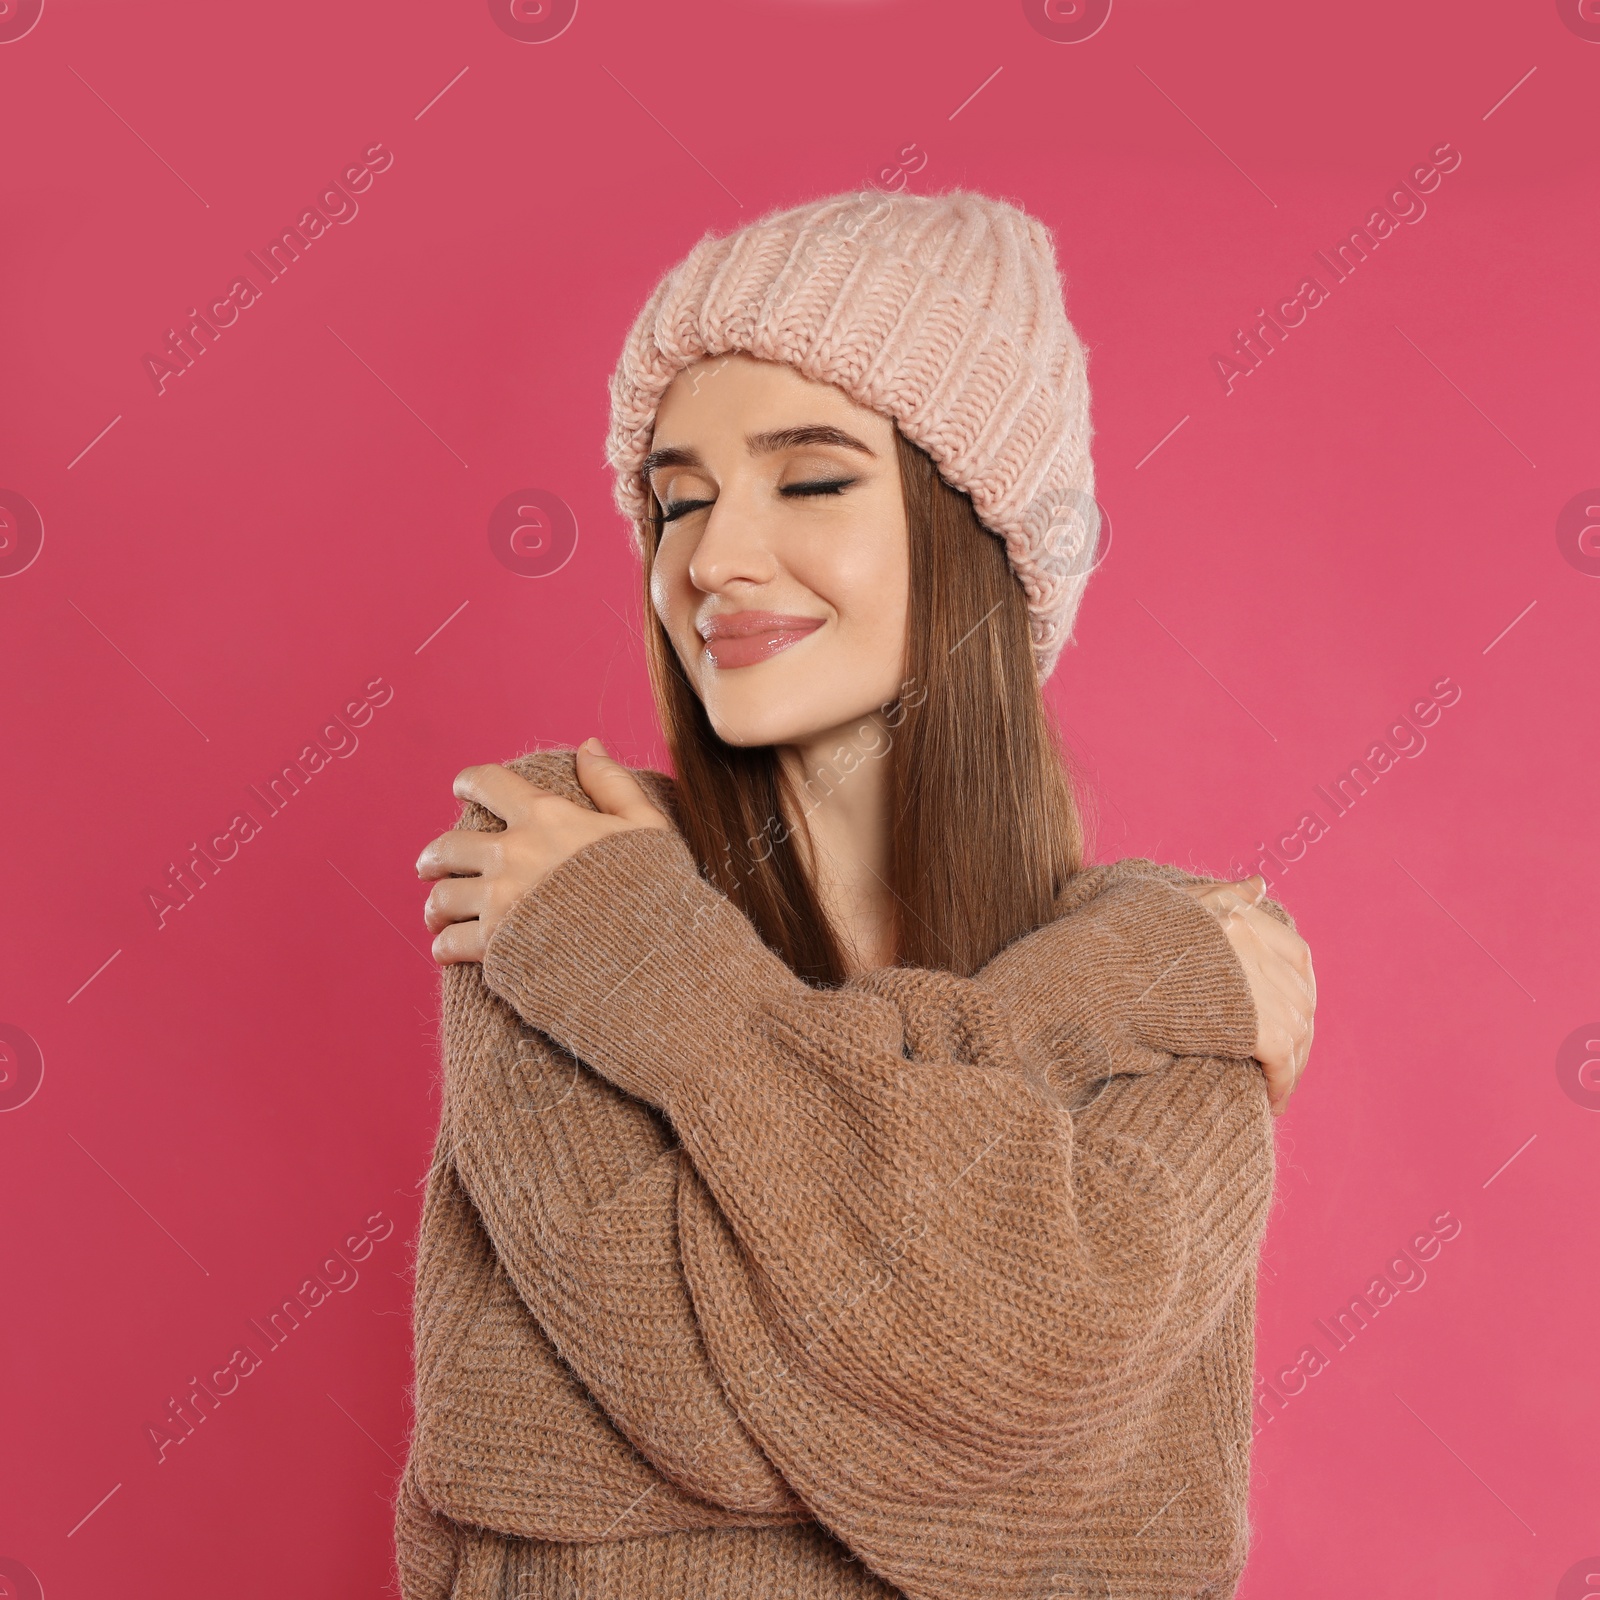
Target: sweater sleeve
{"x": 916, "y": 1272}
{"x": 1131, "y": 973}
{"x": 572, "y": 1184}
{"x": 427, "y": 1545}
{"x": 578, "y": 1186}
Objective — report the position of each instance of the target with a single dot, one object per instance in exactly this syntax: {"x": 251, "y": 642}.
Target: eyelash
{"x": 815, "y": 486}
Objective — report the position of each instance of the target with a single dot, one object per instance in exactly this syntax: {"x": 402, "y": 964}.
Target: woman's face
{"x": 783, "y": 571}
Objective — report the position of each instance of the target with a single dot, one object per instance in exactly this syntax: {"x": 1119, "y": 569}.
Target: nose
{"x": 735, "y": 544}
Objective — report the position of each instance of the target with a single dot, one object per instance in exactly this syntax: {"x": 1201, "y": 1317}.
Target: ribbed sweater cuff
{"x": 1192, "y": 995}
{"x": 625, "y": 944}
{"x": 1136, "y": 963}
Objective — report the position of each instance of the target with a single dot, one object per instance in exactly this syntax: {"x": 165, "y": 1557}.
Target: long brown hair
{"x": 986, "y": 826}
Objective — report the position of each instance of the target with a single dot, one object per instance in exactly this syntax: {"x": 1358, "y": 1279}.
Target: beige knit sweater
{"x": 732, "y": 1287}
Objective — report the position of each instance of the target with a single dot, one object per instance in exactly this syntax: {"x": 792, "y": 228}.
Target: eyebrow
{"x": 760, "y": 444}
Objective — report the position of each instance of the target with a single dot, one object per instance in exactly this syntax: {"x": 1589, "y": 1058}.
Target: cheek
{"x": 864, "y": 575}
{"x": 666, "y": 589}
{"x": 674, "y": 599}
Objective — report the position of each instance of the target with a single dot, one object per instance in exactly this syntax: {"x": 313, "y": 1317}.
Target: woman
{"x": 840, "y": 1188}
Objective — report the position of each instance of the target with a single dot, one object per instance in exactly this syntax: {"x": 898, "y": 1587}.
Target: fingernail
{"x": 592, "y": 743}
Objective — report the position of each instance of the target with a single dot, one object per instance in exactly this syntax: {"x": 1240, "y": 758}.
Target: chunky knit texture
{"x": 944, "y": 312}
{"x": 732, "y": 1287}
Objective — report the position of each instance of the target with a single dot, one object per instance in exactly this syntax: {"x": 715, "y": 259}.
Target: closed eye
{"x": 814, "y": 486}
{"x": 681, "y": 508}
{"x": 818, "y": 486}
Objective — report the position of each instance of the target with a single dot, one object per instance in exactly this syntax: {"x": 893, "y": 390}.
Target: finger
{"x": 1283, "y": 1012}
{"x": 462, "y": 852}
{"x": 1291, "y": 968}
{"x": 613, "y": 788}
{"x": 1278, "y": 937}
{"x": 1278, "y": 1094}
{"x": 461, "y": 941}
{"x": 1281, "y": 953}
{"x": 1281, "y": 1079}
{"x": 1275, "y": 931}
{"x": 1207, "y": 889}
{"x": 1245, "y": 891}
{"x": 1229, "y": 906}
{"x": 454, "y": 900}
{"x": 498, "y": 789}
{"x": 1222, "y": 898}
{"x": 1303, "y": 1057}
{"x": 1282, "y": 1062}
{"x": 1307, "y": 1034}
{"x": 1222, "y": 901}
{"x": 1286, "y": 987}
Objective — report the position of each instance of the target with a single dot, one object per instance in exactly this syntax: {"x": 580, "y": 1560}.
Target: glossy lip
{"x": 742, "y": 638}
{"x": 735, "y": 624}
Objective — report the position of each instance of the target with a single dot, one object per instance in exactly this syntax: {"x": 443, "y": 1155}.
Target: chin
{"x": 753, "y": 720}
{"x": 750, "y": 706}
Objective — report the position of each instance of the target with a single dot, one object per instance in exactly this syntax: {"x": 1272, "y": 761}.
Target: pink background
{"x": 304, "y": 511}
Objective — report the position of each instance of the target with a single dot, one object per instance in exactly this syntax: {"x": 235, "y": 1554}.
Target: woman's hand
{"x": 482, "y": 875}
{"x": 1277, "y": 964}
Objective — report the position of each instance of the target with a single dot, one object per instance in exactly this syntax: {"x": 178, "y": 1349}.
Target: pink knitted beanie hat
{"x": 943, "y": 312}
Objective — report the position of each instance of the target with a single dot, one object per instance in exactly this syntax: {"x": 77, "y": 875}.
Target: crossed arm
{"x": 757, "y": 1219}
